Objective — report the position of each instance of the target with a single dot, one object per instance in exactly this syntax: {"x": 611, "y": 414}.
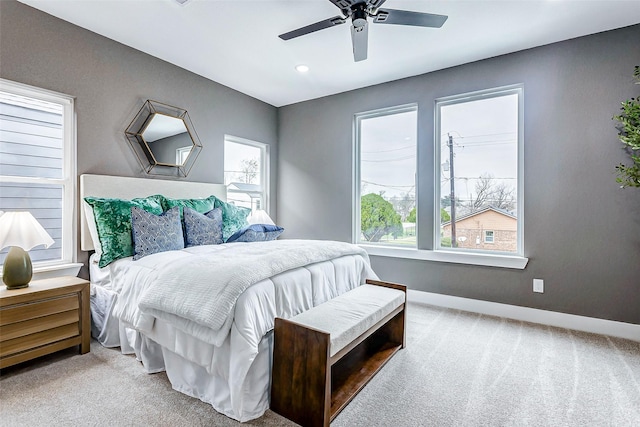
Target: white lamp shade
{"x": 23, "y": 230}
{"x": 260, "y": 217}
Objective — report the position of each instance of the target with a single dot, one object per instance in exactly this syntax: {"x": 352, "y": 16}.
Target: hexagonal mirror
{"x": 164, "y": 140}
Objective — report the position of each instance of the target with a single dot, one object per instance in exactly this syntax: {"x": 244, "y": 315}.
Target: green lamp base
{"x": 17, "y": 270}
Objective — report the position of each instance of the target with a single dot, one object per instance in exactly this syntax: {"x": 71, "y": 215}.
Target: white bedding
{"x": 232, "y": 374}
{"x": 197, "y": 294}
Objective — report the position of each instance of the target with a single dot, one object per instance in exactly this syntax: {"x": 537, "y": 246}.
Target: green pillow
{"x": 199, "y": 205}
{"x": 233, "y": 218}
{"x": 113, "y": 221}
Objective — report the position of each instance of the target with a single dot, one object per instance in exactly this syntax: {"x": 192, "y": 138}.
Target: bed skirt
{"x": 186, "y": 376}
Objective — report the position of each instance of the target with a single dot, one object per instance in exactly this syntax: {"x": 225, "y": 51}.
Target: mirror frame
{"x": 141, "y": 148}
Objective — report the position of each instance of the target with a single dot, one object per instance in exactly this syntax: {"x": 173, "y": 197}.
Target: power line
{"x": 486, "y": 144}
{"x": 387, "y": 151}
{"x": 478, "y": 136}
{"x": 388, "y": 185}
{"x": 483, "y": 143}
{"x": 479, "y": 177}
{"x": 474, "y": 178}
{"x": 390, "y": 160}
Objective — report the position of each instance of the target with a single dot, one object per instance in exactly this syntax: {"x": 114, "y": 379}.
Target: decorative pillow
{"x": 113, "y": 222}
{"x": 256, "y": 233}
{"x": 203, "y": 229}
{"x": 233, "y": 218}
{"x": 155, "y": 233}
{"x": 198, "y": 205}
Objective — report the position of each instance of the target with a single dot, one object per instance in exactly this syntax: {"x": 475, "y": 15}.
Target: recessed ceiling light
{"x": 302, "y": 68}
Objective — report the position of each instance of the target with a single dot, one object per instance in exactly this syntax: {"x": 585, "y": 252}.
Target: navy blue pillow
{"x": 155, "y": 233}
{"x": 203, "y": 229}
{"x": 256, "y": 233}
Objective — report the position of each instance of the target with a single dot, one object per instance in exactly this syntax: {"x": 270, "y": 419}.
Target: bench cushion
{"x": 352, "y": 313}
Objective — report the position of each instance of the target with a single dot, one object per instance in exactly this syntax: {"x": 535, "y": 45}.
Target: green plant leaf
{"x": 629, "y": 134}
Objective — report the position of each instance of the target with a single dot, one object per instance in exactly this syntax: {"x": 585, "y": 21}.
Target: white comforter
{"x": 229, "y": 353}
{"x": 198, "y": 294}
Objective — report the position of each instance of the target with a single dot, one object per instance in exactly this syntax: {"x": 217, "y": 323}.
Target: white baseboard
{"x": 552, "y": 318}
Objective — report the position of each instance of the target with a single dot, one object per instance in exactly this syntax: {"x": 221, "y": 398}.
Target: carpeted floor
{"x": 459, "y": 369}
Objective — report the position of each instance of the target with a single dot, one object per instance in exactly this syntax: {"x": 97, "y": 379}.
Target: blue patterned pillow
{"x": 256, "y": 233}
{"x": 155, "y": 233}
{"x": 202, "y": 229}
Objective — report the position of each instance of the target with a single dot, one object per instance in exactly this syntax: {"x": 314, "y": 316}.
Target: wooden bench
{"x": 323, "y": 357}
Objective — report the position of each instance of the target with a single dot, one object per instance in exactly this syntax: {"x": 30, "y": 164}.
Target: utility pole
{"x": 454, "y": 242}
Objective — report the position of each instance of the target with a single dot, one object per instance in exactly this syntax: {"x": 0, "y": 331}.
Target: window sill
{"x": 56, "y": 270}
{"x": 487, "y": 260}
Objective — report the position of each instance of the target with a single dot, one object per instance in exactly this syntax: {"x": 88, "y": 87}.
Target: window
{"x": 37, "y": 165}
{"x": 475, "y": 205}
{"x": 181, "y": 155}
{"x": 385, "y": 189}
{"x": 488, "y": 236}
{"x": 479, "y": 147}
{"x": 246, "y": 172}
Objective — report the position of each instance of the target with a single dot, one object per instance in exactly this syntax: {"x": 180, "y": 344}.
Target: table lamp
{"x": 22, "y": 232}
{"x": 259, "y": 217}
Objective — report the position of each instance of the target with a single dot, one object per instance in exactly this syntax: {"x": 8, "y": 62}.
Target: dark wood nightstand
{"x": 48, "y": 316}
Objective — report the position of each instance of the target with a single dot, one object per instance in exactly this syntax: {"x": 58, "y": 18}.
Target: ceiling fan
{"x": 359, "y": 11}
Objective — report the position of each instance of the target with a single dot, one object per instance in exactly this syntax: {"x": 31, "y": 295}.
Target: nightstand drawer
{"x": 37, "y": 309}
{"x": 28, "y": 327}
{"x": 27, "y": 342}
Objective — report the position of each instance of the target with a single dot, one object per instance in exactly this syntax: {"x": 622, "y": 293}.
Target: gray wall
{"x": 111, "y": 81}
{"x": 581, "y": 231}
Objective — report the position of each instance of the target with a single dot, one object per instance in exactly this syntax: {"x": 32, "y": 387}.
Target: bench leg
{"x": 301, "y": 379}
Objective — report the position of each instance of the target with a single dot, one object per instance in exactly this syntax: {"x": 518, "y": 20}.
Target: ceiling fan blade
{"x": 327, "y": 23}
{"x": 405, "y": 17}
{"x": 359, "y": 36}
{"x": 375, "y": 4}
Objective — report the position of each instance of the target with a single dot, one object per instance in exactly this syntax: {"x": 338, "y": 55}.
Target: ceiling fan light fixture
{"x": 359, "y": 16}
{"x": 302, "y": 68}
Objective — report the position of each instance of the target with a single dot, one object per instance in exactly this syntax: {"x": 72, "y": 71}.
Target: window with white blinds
{"x": 37, "y": 165}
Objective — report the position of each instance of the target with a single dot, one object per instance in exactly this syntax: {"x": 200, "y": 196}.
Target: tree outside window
{"x": 386, "y": 149}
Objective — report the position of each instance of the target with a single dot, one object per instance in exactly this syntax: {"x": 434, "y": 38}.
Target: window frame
{"x": 264, "y": 169}
{"x": 67, "y": 262}
{"x": 356, "y": 178}
{"x": 517, "y": 89}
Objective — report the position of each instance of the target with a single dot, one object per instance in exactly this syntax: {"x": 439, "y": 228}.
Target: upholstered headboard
{"x": 130, "y": 188}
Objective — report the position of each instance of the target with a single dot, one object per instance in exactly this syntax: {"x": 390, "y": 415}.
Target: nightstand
{"x": 48, "y": 316}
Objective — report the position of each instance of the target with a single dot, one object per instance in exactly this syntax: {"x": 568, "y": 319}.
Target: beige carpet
{"x": 459, "y": 369}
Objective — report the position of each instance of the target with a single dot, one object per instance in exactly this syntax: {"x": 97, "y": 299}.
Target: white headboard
{"x": 130, "y": 188}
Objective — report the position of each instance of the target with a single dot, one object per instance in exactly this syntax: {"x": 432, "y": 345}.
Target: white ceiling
{"x": 235, "y": 42}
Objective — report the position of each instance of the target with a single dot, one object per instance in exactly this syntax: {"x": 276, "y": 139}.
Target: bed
{"x": 205, "y": 314}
